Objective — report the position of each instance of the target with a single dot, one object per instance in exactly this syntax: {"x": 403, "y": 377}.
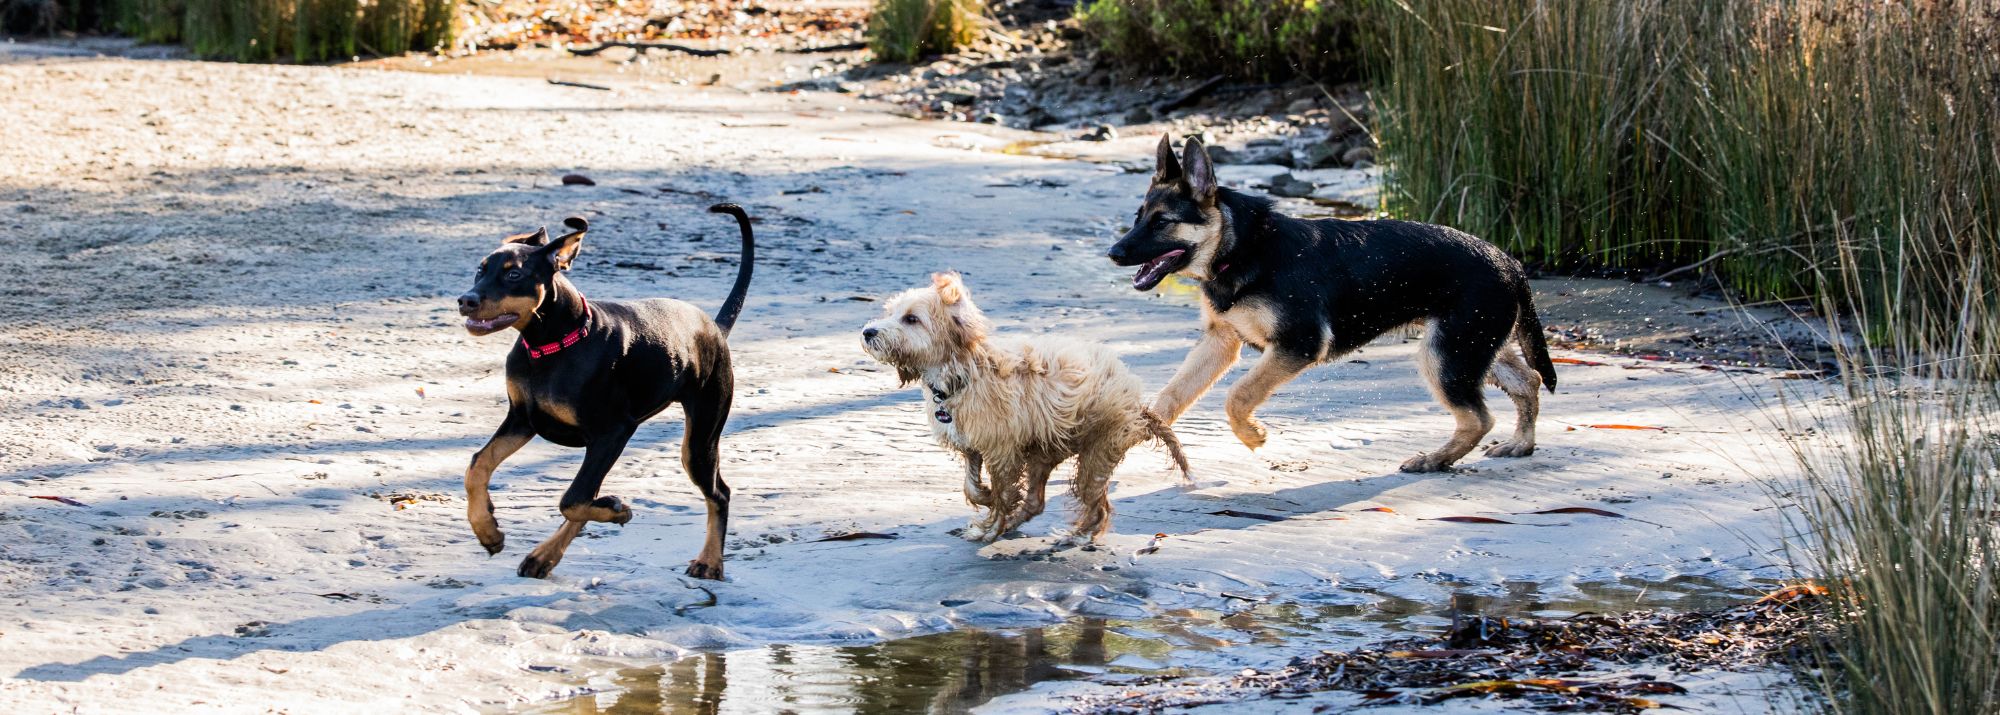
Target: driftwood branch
{"x": 643, "y": 46}
{"x": 1189, "y": 97}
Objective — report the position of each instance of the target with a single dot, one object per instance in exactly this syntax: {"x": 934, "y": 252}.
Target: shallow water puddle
{"x": 956, "y": 671}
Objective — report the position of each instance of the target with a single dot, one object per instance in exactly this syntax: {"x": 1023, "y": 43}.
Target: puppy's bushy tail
{"x": 1157, "y": 429}
{"x": 725, "y": 317}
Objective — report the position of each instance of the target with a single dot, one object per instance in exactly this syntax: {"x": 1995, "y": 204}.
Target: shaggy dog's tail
{"x": 1157, "y": 429}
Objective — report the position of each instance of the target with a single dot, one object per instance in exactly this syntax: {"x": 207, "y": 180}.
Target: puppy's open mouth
{"x": 1158, "y": 269}
{"x": 482, "y": 326}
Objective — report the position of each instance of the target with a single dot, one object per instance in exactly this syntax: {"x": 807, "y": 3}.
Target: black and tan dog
{"x": 1307, "y": 292}
{"x": 586, "y": 373}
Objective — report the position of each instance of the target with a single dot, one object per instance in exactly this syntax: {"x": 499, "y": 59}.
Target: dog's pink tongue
{"x": 1155, "y": 270}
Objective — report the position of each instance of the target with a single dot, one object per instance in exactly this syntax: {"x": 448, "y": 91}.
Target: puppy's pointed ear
{"x": 950, "y": 288}
{"x": 1166, "y": 169}
{"x": 1200, "y": 171}
{"x": 533, "y": 238}
{"x": 562, "y": 251}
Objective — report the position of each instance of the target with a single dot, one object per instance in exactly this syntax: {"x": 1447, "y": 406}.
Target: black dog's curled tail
{"x": 725, "y": 317}
{"x": 1157, "y": 429}
{"x": 1528, "y": 332}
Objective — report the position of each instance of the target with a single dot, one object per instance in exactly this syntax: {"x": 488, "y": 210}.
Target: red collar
{"x": 579, "y": 333}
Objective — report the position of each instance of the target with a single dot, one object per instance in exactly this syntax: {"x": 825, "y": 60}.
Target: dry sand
{"x": 228, "y": 333}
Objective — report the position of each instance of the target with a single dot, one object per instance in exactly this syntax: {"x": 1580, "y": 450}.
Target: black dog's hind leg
{"x": 701, "y": 456}
{"x": 1455, "y": 355}
{"x": 581, "y": 504}
{"x": 514, "y": 432}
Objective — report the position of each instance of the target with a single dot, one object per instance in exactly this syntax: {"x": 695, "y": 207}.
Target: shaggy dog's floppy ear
{"x": 950, "y": 288}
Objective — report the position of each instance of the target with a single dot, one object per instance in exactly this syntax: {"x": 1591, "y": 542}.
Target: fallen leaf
{"x": 1472, "y": 520}
{"x": 1637, "y": 427}
{"x": 1578, "y": 510}
{"x": 856, "y": 536}
{"x": 420, "y": 391}
{"x": 1246, "y": 515}
{"x": 314, "y": 402}
{"x": 1574, "y": 361}
{"x": 65, "y": 500}
{"x": 1383, "y": 509}
{"x": 1787, "y": 594}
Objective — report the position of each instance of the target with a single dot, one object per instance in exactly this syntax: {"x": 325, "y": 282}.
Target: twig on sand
{"x": 563, "y": 83}
{"x": 643, "y": 46}
{"x": 842, "y": 47}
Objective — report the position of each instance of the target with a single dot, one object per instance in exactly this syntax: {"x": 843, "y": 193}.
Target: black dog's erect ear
{"x": 563, "y": 250}
{"x": 1167, "y": 169}
{"x": 1200, "y": 172}
{"x": 537, "y": 237}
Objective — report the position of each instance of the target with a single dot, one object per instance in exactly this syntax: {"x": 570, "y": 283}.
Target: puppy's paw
{"x": 711, "y": 572}
{"x": 538, "y": 565}
{"x": 1250, "y": 432}
{"x": 1511, "y": 449}
{"x": 1427, "y": 463}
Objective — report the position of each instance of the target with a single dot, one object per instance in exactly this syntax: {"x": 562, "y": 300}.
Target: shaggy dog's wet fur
{"x": 1017, "y": 408}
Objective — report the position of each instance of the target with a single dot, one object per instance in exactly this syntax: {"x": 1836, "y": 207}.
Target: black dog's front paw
{"x": 620, "y": 514}
{"x": 712, "y": 572}
{"x": 537, "y": 567}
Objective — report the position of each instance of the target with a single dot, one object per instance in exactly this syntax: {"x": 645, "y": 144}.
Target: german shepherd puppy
{"x": 1306, "y": 292}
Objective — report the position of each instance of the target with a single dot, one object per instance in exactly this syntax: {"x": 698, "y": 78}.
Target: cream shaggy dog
{"x": 1017, "y": 407}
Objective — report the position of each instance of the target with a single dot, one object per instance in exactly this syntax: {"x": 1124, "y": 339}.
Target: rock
{"x": 577, "y": 180}
{"x": 1139, "y": 115}
{"x": 959, "y": 96}
{"x": 1254, "y": 153}
{"x": 1317, "y": 155}
{"x": 1301, "y": 106}
{"x": 1102, "y": 133}
{"x": 991, "y": 118}
{"x": 1291, "y": 186}
{"x": 1358, "y": 155}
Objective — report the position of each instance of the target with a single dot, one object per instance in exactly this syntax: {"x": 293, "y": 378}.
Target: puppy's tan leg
{"x": 1205, "y": 364}
{"x": 513, "y": 433}
{"x": 1521, "y": 383}
{"x": 976, "y": 492}
{"x": 546, "y": 555}
{"x": 1273, "y": 369}
{"x": 1468, "y": 408}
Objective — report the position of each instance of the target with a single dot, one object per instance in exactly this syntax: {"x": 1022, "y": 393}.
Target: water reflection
{"x": 940, "y": 673}
{"x": 956, "y": 671}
